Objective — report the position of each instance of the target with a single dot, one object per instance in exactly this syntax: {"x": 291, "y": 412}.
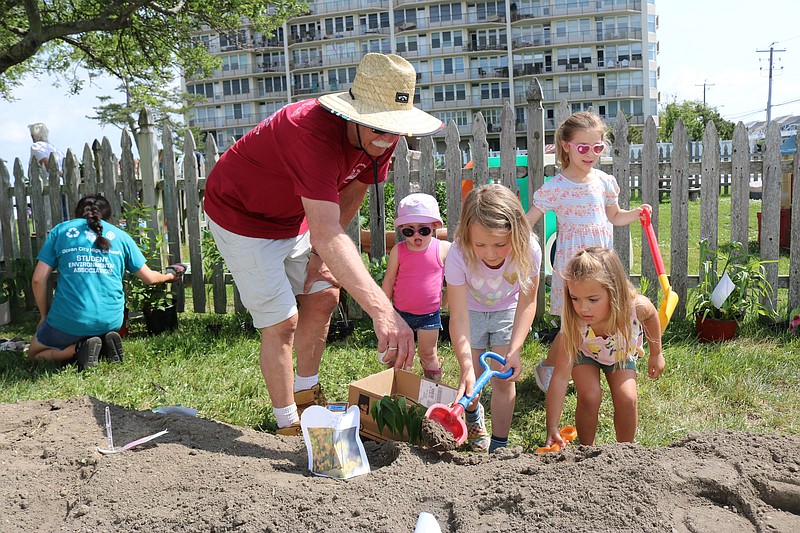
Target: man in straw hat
{"x": 277, "y": 202}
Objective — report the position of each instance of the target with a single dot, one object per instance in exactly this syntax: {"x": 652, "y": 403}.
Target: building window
{"x": 406, "y": 43}
{"x": 447, "y": 39}
{"x": 445, "y": 13}
{"x": 449, "y": 65}
{"x": 206, "y": 89}
{"x": 450, "y": 93}
{"x": 459, "y": 117}
{"x": 490, "y": 91}
{"x": 232, "y": 87}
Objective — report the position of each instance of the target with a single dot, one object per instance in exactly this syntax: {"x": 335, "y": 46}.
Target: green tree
{"x": 138, "y": 41}
{"x": 695, "y": 115}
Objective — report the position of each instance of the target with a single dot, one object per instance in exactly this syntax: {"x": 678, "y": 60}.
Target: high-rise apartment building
{"x": 469, "y": 56}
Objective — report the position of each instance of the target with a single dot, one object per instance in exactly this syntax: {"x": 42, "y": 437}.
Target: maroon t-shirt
{"x": 301, "y": 150}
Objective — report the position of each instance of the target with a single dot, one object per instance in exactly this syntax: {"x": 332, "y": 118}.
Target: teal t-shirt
{"x": 89, "y": 297}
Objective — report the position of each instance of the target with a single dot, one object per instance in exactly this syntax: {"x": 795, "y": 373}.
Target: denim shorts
{"x": 415, "y": 322}
{"x": 491, "y": 329}
{"x": 628, "y": 364}
{"x": 54, "y": 338}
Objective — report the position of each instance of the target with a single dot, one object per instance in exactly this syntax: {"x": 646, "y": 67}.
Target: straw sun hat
{"x": 382, "y": 97}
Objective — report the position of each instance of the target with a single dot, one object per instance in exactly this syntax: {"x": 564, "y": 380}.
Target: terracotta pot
{"x": 124, "y": 328}
{"x": 713, "y": 330}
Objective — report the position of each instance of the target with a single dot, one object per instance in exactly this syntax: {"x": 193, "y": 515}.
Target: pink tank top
{"x": 418, "y": 287}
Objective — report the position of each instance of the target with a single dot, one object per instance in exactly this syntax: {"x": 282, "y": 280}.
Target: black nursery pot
{"x": 161, "y": 320}
{"x": 340, "y": 330}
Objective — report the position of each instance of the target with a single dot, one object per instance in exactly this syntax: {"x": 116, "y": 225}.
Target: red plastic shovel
{"x": 670, "y": 300}
{"x": 450, "y": 417}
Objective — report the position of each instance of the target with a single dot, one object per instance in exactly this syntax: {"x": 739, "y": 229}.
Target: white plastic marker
{"x": 109, "y": 436}
{"x": 132, "y": 444}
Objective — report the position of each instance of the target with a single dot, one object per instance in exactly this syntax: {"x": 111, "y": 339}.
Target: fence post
{"x": 128, "y": 170}
{"x": 5, "y": 224}
{"x": 171, "y": 202}
{"x": 193, "y": 209}
{"x": 480, "y": 152}
{"x": 535, "y": 143}
{"x": 771, "y": 210}
{"x": 794, "y": 245}
{"x": 148, "y": 167}
{"x": 679, "y": 239}
{"x": 651, "y": 194}
{"x": 709, "y": 187}
{"x": 621, "y": 171}
{"x": 508, "y": 148}
{"x": 740, "y": 176}
{"x": 452, "y": 177}
{"x": 89, "y": 171}
{"x": 72, "y": 177}
{"x": 108, "y": 171}
{"x": 427, "y": 167}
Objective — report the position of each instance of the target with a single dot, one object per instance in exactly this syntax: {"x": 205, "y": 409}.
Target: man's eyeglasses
{"x": 423, "y": 231}
{"x": 379, "y": 132}
{"x": 583, "y": 149}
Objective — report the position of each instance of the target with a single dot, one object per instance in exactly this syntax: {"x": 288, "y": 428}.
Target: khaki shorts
{"x": 269, "y": 273}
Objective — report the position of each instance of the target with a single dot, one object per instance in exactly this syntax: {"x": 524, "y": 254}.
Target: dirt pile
{"x": 209, "y": 476}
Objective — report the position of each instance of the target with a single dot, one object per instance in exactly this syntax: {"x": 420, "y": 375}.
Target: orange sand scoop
{"x": 568, "y": 433}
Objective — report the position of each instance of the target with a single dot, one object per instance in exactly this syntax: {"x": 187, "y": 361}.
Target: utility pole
{"x": 771, "y": 51}
{"x": 704, "y": 85}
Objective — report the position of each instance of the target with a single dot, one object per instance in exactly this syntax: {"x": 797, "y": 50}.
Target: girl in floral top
{"x": 603, "y": 326}
{"x": 585, "y": 201}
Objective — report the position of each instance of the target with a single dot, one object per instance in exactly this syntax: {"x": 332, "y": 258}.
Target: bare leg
{"x": 276, "y": 361}
{"x": 427, "y": 340}
{"x": 587, "y": 384}
{"x": 625, "y": 397}
{"x": 504, "y": 396}
{"x": 38, "y": 351}
{"x": 314, "y": 316}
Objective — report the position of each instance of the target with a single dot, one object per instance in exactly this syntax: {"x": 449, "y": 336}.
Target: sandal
{"x": 433, "y": 374}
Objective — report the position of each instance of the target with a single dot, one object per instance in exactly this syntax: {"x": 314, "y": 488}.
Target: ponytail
{"x": 95, "y": 208}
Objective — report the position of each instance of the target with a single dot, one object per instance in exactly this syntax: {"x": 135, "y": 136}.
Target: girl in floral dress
{"x": 584, "y": 199}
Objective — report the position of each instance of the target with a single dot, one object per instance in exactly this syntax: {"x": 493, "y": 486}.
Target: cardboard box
{"x": 393, "y": 381}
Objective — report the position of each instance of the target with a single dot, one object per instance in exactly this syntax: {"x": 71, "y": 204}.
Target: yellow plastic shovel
{"x": 670, "y": 300}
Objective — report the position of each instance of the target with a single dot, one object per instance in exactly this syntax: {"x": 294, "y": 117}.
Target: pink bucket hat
{"x": 417, "y": 208}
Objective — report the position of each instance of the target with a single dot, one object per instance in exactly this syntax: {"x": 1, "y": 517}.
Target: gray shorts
{"x": 269, "y": 273}
{"x": 489, "y": 329}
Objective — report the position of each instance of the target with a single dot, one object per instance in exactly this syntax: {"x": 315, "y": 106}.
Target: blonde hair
{"x": 582, "y": 120}
{"x": 603, "y": 266}
{"x": 39, "y": 132}
{"x": 498, "y": 210}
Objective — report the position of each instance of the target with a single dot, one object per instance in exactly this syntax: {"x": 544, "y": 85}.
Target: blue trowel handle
{"x": 488, "y": 374}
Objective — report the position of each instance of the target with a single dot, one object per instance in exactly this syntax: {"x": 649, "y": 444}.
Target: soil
{"x": 209, "y": 476}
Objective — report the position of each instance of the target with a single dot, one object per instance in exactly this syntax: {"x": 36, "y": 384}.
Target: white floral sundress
{"x": 581, "y": 220}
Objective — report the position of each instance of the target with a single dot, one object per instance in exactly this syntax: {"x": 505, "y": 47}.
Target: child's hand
{"x": 554, "y": 437}
{"x": 655, "y": 365}
{"x": 466, "y": 384}
{"x": 645, "y": 213}
{"x": 513, "y": 361}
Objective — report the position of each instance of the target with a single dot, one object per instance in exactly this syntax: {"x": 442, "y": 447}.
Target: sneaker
{"x": 290, "y": 431}
{"x": 543, "y": 374}
{"x": 87, "y": 352}
{"x": 308, "y": 397}
{"x": 112, "y": 347}
{"x": 478, "y": 438}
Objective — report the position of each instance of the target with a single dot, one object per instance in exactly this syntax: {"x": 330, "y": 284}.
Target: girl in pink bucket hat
{"x": 414, "y": 277}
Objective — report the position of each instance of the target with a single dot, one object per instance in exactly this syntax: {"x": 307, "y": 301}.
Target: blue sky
{"x": 700, "y": 42}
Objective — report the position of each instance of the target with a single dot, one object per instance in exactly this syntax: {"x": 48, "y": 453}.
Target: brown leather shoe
{"x": 290, "y": 431}
{"x": 306, "y": 398}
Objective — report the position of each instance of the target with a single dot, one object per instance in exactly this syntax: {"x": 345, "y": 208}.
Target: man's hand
{"x": 317, "y": 271}
{"x": 395, "y": 338}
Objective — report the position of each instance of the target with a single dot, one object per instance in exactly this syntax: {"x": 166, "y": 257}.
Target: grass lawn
{"x": 211, "y": 364}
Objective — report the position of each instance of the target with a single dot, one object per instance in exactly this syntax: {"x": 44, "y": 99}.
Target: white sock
{"x": 305, "y": 383}
{"x": 286, "y": 416}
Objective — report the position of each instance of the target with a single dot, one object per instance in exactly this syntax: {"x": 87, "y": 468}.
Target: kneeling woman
{"x": 91, "y": 257}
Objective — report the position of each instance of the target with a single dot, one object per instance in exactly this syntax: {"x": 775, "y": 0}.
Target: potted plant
{"x": 155, "y": 302}
{"x": 5, "y": 302}
{"x": 742, "y": 276}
